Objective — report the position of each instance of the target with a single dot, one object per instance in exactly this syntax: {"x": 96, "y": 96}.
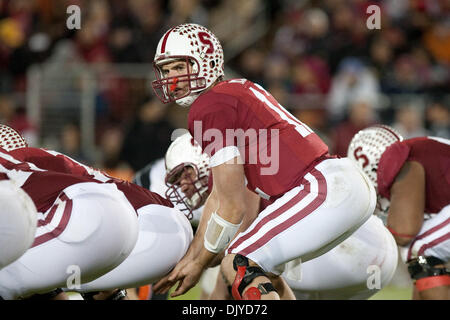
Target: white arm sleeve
{"x": 219, "y": 233}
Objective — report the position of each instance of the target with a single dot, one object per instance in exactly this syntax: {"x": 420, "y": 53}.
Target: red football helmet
{"x": 203, "y": 54}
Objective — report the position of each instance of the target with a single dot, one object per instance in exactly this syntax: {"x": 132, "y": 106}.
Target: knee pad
{"x": 244, "y": 276}
{"x": 425, "y": 273}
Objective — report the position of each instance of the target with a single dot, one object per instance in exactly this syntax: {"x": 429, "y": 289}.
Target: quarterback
{"x": 341, "y": 273}
{"x": 316, "y": 200}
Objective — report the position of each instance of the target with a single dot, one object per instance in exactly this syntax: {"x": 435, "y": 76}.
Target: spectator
{"x": 148, "y": 135}
{"x": 185, "y": 11}
{"x": 352, "y": 80}
{"x": 405, "y": 77}
{"x": 16, "y": 118}
{"x": 437, "y": 41}
{"x": 361, "y": 115}
{"x": 311, "y": 76}
{"x": 71, "y": 144}
{"x": 381, "y": 55}
{"x": 408, "y": 121}
{"x": 110, "y": 145}
{"x": 252, "y": 64}
{"x": 437, "y": 119}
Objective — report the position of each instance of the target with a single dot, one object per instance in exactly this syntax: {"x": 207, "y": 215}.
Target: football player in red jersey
{"x": 412, "y": 179}
{"x": 83, "y": 227}
{"x": 370, "y": 250}
{"x": 109, "y": 228}
{"x": 316, "y": 200}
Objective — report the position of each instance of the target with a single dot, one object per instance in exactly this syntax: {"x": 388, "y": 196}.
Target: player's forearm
{"x": 205, "y": 257}
{"x": 197, "y": 243}
{"x": 209, "y": 255}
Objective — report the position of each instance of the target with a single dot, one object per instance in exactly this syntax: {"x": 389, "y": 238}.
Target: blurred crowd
{"x": 318, "y": 58}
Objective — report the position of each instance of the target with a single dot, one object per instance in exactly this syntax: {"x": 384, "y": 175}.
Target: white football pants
{"x": 89, "y": 230}
{"x": 18, "y": 216}
{"x": 333, "y": 201}
{"x": 357, "y": 268}
{"x": 433, "y": 238}
{"x": 164, "y": 237}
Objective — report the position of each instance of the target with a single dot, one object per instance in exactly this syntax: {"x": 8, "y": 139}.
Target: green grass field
{"x": 393, "y": 293}
{"x": 387, "y": 293}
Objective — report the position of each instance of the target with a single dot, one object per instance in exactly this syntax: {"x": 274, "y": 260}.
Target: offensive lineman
{"x": 75, "y": 219}
{"x": 17, "y": 221}
{"x": 17, "y": 218}
{"x": 317, "y": 201}
{"x": 412, "y": 179}
{"x": 153, "y": 214}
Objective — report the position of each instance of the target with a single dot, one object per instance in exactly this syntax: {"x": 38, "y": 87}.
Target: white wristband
{"x": 219, "y": 233}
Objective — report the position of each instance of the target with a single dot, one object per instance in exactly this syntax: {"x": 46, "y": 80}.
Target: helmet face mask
{"x": 164, "y": 87}
{"x": 200, "y": 50}
{"x": 198, "y": 187}
{"x": 187, "y": 174}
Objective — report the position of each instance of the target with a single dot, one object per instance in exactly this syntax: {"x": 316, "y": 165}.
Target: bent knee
{"x": 403, "y": 235}
{"x": 402, "y": 241}
{"x": 227, "y": 263}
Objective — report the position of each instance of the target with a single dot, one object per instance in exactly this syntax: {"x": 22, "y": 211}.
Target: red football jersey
{"x": 276, "y": 148}
{"x": 433, "y": 154}
{"x": 42, "y": 186}
{"x": 56, "y": 171}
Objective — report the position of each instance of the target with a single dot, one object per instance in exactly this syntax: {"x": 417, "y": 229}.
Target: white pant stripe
{"x": 55, "y": 221}
{"x": 284, "y": 216}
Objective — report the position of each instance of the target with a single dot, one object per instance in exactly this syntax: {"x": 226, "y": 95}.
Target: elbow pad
{"x": 219, "y": 233}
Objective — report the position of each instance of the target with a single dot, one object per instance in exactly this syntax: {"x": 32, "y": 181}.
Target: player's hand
{"x": 188, "y": 278}
{"x": 167, "y": 282}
